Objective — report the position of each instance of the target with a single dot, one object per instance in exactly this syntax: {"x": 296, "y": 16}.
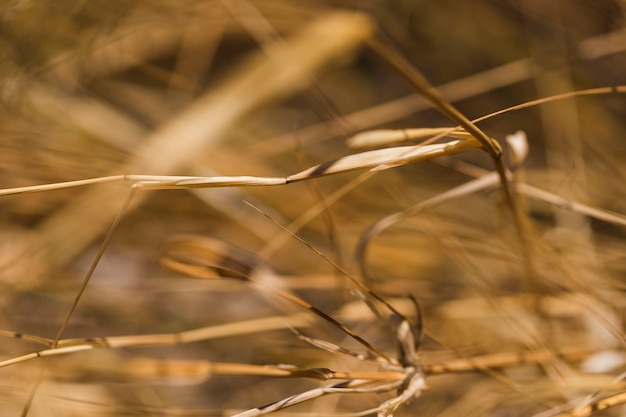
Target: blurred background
{"x": 206, "y": 88}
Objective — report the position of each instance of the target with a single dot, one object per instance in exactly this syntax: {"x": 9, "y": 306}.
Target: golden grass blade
{"x": 382, "y": 137}
{"x": 387, "y": 158}
{"x": 616, "y": 89}
{"x": 68, "y": 346}
{"x": 381, "y": 159}
{"x": 209, "y": 182}
{"x": 177, "y": 367}
{"x": 60, "y": 185}
{"x": 564, "y": 203}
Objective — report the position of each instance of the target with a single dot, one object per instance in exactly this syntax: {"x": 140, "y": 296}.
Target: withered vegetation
{"x": 295, "y": 156}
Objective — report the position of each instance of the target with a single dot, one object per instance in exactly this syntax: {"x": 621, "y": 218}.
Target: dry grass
{"x": 267, "y": 89}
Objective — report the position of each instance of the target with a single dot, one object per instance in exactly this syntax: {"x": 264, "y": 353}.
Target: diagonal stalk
{"x": 390, "y": 55}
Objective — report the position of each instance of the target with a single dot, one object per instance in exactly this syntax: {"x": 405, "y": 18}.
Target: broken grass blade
{"x": 390, "y": 157}
{"x": 386, "y": 158}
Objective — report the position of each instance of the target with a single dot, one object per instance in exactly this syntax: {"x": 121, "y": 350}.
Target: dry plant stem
{"x": 593, "y": 407}
{"x": 560, "y": 202}
{"x": 68, "y": 346}
{"x": 615, "y": 89}
{"x": 462, "y": 365}
{"x": 500, "y": 360}
{"x": 105, "y": 243}
{"x": 419, "y": 82}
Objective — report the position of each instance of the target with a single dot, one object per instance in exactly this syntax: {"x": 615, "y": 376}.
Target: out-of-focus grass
{"x": 87, "y": 85}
